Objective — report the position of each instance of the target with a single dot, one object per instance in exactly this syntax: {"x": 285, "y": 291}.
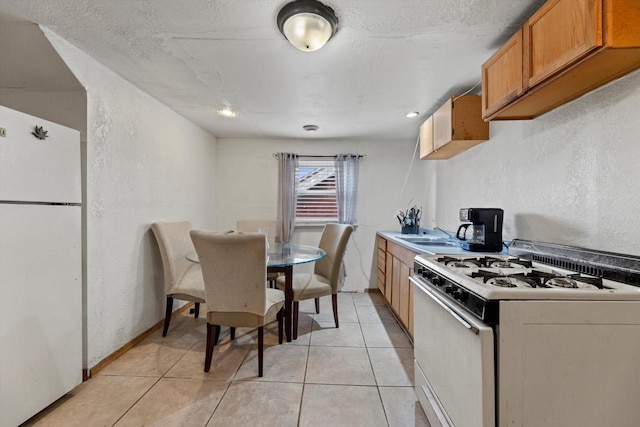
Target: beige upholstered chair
{"x": 324, "y": 280}
{"x": 234, "y": 267}
{"x": 254, "y": 225}
{"x": 182, "y": 278}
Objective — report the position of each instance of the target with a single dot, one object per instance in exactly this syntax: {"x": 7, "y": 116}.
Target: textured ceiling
{"x": 389, "y": 57}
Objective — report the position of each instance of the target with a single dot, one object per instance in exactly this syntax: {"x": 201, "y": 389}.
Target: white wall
{"x": 571, "y": 176}
{"x": 247, "y": 176}
{"x": 35, "y": 80}
{"x": 144, "y": 163}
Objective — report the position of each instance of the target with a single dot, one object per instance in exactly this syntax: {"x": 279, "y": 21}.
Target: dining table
{"x": 281, "y": 257}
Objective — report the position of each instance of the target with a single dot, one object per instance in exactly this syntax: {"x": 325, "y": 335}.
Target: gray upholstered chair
{"x": 182, "y": 278}
{"x": 326, "y": 274}
{"x": 234, "y": 267}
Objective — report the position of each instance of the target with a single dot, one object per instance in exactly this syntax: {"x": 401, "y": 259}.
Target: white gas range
{"x": 546, "y": 336}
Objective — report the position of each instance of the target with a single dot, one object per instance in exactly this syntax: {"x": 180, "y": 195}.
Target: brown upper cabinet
{"x": 502, "y": 76}
{"x": 566, "y": 49}
{"x": 455, "y": 127}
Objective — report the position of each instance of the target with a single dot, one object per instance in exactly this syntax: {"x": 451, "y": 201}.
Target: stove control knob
{"x": 426, "y": 274}
{"x": 436, "y": 280}
{"x": 420, "y": 270}
{"x": 460, "y": 295}
{"x": 449, "y": 289}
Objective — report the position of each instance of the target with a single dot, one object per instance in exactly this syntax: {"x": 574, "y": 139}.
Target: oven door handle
{"x": 455, "y": 315}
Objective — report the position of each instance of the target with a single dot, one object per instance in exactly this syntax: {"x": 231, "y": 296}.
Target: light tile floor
{"x": 358, "y": 375}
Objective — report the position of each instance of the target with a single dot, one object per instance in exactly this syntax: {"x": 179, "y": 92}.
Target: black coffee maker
{"x": 483, "y": 233}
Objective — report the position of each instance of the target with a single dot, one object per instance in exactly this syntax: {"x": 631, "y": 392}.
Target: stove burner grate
{"x": 459, "y": 262}
{"x": 537, "y": 279}
{"x": 487, "y": 262}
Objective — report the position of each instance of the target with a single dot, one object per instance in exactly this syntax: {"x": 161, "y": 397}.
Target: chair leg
{"x": 334, "y": 302}
{"x": 167, "y": 316}
{"x": 317, "y": 305}
{"x": 232, "y": 333}
{"x": 196, "y": 310}
{"x": 212, "y": 339}
{"x": 217, "y": 336}
{"x": 280, "y": 324}
{"x": 296, "y": 306}
{"x": 260, "y": 349}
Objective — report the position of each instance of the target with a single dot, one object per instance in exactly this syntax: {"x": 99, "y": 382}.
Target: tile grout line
{"x": 136, "y": 402}
{"x": 304, "y": 380}
{"x": 153, "y": 385}
{"x": 384, "y": 410}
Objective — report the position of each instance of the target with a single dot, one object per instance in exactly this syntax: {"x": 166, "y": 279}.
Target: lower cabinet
{"x": 395, "y": 265}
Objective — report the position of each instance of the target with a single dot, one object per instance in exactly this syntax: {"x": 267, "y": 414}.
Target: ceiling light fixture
{"x": 412, "y": 114}
{"x": 227, "y": 112}
{"x": 307, "y": 24}
{"x": 310, "y": 128}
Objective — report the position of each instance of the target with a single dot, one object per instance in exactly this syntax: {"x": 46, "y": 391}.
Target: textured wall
{"x": 247, "y": 177}
{"x": 144, "y": 163}
{"x": 570, "y": 176}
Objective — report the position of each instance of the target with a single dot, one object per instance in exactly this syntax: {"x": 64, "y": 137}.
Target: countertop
{"x": 442, "y": 244}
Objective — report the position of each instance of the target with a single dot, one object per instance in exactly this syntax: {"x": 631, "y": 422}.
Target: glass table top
{"x": 284, "y": 254}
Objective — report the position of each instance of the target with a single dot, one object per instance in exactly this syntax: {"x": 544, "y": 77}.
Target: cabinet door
{"x": 426, "y": 138}
{"x": 502, "y": 76}
{"x": 558, "y": 34}
{"x": 388, "y": 277}
{"x": 405, "y": 285}
{"x": 442, "y": 125}
{"x": 395, "y": 285}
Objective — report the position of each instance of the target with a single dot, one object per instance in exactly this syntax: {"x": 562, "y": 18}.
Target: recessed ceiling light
{"x": 310, "y": 128}
{"x": 227, "y": 112}
{"x": 412, "y": 114}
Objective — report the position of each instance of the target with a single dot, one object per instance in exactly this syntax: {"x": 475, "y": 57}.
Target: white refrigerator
{"x": 40, "y": 265}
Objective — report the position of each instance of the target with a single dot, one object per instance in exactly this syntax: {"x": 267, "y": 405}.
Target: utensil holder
{"x": 410, "y": 229}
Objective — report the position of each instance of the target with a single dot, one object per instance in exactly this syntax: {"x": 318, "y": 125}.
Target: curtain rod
{"x": 360, "y": 156}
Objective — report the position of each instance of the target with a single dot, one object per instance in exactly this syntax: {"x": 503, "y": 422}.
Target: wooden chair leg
{"x": 232, "y": 333}
{"x": 317, "y": 305}
{"x": 217, "y": 336}
{"x": 296, "y": 305}
{"x": 212, "y": 339}
{"x": 334, "y": 302}
{"x": 280, "y": 324}
{"x": 196, "y": 310}
{"x": 260, "y": 349}
{"x": 167, "y": 316}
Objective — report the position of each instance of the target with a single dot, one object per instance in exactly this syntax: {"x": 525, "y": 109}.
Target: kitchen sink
{"x": 421, "y": 239}
{"x": 429, "y": 241}
{"x": 436, "y": 243}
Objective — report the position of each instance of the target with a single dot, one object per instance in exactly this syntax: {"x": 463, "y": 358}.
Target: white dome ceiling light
{"x": 307, "y": 24}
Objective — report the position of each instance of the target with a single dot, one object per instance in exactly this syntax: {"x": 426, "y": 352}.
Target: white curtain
{"x": 346, "y": 166}
{"x": 287, "y": 164}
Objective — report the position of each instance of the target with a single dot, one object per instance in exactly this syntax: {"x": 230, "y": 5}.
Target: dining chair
{"x": 326, "y": 275}
{"x": 182, "y": 278}
{"x": 234, "y": 267}
{"x": 255, "y": 225}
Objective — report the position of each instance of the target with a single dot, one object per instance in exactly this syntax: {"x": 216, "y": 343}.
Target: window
{"x": 316, "y": 185}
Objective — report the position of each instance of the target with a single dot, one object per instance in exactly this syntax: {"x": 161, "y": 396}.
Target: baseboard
{"x": 372, "y": 290}
{"x": 88, "y": 373}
